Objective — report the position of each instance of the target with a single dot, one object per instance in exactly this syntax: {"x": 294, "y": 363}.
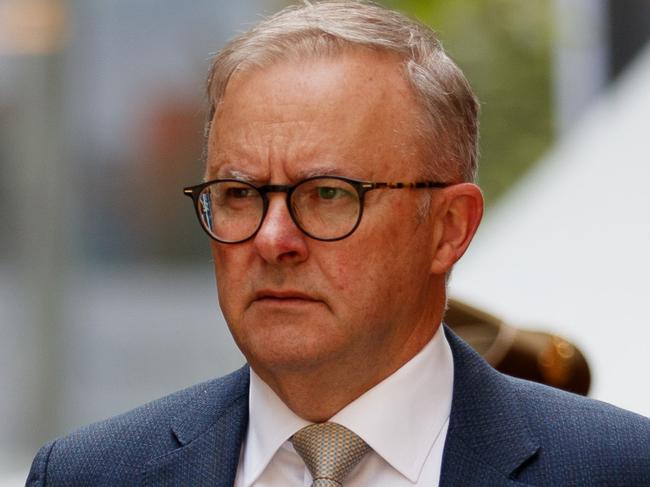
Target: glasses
{"x": 325, "y": 208}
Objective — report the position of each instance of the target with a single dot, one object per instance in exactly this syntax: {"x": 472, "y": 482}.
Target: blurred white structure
{"x": 568, "y": 249}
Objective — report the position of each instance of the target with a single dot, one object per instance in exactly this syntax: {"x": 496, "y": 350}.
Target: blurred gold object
{"x": 533, "y": 355}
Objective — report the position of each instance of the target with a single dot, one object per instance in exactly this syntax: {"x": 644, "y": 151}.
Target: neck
{"x": 316, "y": 393}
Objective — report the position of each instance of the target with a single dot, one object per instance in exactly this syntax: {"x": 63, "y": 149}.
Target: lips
{"x": 283, "y": 295}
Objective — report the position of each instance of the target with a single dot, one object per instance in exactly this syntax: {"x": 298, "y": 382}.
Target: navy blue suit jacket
{"x": 502, "y": 432}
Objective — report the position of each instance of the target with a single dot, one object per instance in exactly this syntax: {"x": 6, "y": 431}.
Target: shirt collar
{"x": 271, "y": 423}
{"x": 400, "y": 418}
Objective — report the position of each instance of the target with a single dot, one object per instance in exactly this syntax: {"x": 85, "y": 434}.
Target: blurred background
{"x": 107, "y": 298}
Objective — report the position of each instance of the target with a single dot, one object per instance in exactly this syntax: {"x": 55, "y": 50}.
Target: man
{"x": 340, "y": 158}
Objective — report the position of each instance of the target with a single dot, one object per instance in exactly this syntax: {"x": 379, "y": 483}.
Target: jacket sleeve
{"x": 38, "y": 473}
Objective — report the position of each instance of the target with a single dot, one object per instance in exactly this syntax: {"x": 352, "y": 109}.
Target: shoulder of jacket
{"x": 112, "y": 451}
{"x": 583, "y": 424}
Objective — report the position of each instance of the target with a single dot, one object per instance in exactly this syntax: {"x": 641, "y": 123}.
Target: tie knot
{"x": 330, "y": 452}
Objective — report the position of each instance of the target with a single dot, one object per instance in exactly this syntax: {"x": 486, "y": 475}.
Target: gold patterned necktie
{"x": 330, "y": 452}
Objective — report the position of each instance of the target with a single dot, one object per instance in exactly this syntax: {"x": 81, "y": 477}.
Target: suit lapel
{"x": 462, "y": 466}
{"x": 488, "y": 439}
{"x": 210, "y": 431}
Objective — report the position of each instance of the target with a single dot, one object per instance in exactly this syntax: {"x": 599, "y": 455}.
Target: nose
{"x": 279, "y": 240}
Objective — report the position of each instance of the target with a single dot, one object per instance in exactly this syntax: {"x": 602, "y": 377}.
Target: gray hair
{"x": 449, "y": 124}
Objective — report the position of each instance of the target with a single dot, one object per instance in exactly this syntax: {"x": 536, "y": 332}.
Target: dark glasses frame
{"x": 361, "y": 187}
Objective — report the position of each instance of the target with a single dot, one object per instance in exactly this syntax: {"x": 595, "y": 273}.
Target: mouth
{"x": 283, "y": 297}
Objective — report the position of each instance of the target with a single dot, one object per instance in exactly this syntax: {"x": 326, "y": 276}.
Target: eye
{"x": 330, "y": 193}
{"x": 239, "y": 192}
{"x": 324, "y": 193}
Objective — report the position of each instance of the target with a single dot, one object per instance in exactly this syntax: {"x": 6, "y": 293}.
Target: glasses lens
{"x": 326, "y": 208}
{"x": 230, "y": 211}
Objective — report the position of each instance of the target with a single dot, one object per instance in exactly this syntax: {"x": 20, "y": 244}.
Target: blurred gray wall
{"x": 90, "y": 325}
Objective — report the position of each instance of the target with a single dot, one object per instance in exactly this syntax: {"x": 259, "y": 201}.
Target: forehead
{"x": 353, "y": 113}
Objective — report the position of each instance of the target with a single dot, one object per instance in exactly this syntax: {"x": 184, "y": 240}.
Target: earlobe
{"x": 459, "y": 217}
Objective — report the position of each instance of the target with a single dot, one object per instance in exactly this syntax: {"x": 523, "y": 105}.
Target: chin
{"x": 289, "y": 347}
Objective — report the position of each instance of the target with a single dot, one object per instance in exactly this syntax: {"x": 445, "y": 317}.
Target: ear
{"x": 458, "y": 216}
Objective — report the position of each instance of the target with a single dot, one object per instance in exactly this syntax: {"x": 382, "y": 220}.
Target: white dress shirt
{"x": 404, "y": 419}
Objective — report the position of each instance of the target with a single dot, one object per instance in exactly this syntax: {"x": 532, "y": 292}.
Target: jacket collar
{"x": 488, "y": 438}
{"x": 210, "y": 430}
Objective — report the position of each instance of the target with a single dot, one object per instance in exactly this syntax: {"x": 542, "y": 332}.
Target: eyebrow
{"x": 320, "y": 170}
{"x": 230, "y": 174}
{"x": 235, "y": 174}
{"x": 350, "y": 171}
{"x": 324, "y": 170}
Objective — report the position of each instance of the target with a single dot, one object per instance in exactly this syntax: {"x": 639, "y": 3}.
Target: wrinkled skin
{"x": 314, "y": 316}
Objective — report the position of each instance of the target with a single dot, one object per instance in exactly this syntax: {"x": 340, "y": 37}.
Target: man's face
{"x": 294, "y": 303}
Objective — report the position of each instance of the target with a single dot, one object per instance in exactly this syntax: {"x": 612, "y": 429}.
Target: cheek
{"x": 344, "y": 266}
{"x": 228, "y": 259}
{"x": 343, "y": 276}
{"x": 230, "y": 272}
{"x": 385, "y": 264}
{"x": 360, "y": 276}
